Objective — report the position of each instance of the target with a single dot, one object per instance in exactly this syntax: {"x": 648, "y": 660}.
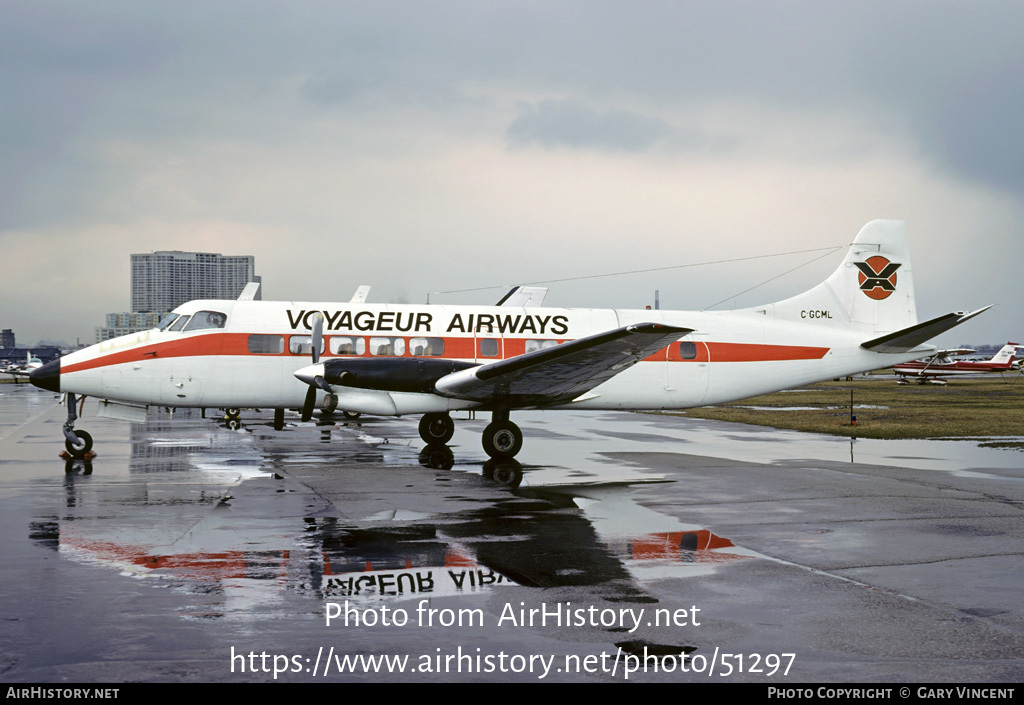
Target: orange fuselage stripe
{"x": 454, "y": 348}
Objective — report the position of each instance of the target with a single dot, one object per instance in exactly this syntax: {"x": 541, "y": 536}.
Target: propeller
{"x": 315, "y": 380}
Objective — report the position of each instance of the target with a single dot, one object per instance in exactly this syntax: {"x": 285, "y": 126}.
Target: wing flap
{"x": 907, "y": 339}
{"x": 560, "y": 374}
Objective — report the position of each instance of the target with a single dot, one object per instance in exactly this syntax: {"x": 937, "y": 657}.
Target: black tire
{"x": 436, "y": 429}
{"x": 351, "y": 415}
{"x": 234, "y": 423}
{"x": 502, "y": 439}
{"x": 82, "y": 447}
{"x": 233, "y": 413}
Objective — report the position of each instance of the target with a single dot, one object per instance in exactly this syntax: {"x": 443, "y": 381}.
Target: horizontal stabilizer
{"x": 909, "y": 338}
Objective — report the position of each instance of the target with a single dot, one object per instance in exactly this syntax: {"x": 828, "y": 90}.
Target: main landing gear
{"x": 232, "y": 418}
{"x": 77, "y": 443}
{"x": 436, "y": 429}
{"x": 501, "y": 439}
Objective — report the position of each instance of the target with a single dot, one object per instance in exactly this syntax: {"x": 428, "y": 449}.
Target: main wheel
{"x": 83, "y": 446}
{"x": 436, "y": 429}
{"x": 233, "y": 413}
{"x": 351, "y": 415}
{"x": 502, "y": 439}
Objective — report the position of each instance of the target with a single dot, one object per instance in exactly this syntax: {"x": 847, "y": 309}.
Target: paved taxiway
{"x": 184, "y": 542}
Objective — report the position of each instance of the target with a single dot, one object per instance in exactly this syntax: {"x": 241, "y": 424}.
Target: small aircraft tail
{"x": 1004, "y": 358}
{"x": 871, "y": 292}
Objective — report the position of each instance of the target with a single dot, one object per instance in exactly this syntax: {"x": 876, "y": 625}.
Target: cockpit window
{"x": 180, "y": 323}
{"x": 166, "y": 321}
{"x": 206, "y": 319}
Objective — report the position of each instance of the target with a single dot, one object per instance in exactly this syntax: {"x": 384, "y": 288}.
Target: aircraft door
{"x": 488, "y": 346}
{"x": 687, "y": 370}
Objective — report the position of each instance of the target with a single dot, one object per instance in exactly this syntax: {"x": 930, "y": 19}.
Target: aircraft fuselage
{"x": 251, "y": 361}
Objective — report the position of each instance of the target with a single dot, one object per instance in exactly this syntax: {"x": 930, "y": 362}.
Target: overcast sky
{"x": 429, "y": 146}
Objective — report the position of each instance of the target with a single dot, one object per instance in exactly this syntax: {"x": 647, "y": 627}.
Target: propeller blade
{"x": 318, "y": 336}
{"x": 307, "y": 407}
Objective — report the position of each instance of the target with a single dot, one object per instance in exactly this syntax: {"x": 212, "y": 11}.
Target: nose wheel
{"x": 81, "y": 445}
{"x": 77, "y": 443}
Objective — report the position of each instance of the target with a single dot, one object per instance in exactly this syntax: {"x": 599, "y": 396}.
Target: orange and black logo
{"x": 877, "y": 277}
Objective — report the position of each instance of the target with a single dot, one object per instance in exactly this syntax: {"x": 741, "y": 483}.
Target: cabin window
{"x": 532, "y": 345}
{"x": 688, "y": 350}
{"x": 426, "y": 347}
{"x": 166, "y": 321}
{"x": 180, "y": 323}
{"x": 266, "y": 344}
{"x": 488, "y": 347}
{"x": 302, "y": 345}
{"x": 207, "y": 319}
{"x": 387, "y": 346}
{"x": 344, "y": 345}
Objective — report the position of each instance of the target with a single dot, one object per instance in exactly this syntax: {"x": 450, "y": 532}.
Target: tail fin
{"x": 871, "y": 292}
{"x": 1005, "y": 357}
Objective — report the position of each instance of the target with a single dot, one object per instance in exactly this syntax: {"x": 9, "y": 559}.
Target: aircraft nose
{"x": 47, "y": 376}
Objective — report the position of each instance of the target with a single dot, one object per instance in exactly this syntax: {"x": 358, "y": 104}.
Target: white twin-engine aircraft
{"x": 394, "y": 360}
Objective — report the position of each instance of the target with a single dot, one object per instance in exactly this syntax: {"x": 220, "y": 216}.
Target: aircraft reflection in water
{"x": 214, "y": 537}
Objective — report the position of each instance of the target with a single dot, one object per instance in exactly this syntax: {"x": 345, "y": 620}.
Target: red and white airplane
{"x": 396, "y": 359}
{"x": 941, "y": 364}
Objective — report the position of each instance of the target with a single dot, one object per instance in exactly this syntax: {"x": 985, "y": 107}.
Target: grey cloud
{"x": 980, "y": 133}
{"x": 570, "y": 123}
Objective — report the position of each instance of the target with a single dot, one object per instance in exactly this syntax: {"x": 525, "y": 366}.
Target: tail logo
{"x": 877, "y": 277}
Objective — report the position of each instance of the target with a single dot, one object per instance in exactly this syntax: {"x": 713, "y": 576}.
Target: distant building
{"x": 125, "y": 323}
{"x": 162, "y": 281}
{"x": 7, "y": 338}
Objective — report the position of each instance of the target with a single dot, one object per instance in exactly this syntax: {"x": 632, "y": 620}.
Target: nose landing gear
{"x": 78, "y": 443}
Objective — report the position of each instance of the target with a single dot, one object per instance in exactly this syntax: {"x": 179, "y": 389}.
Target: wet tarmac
{"x": 331, "y": 551}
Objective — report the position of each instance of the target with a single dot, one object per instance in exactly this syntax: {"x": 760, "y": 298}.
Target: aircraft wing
{"x": 907, "y": 339}
{"x": 955, "y": 352}
{"x": 361, "y": 293}
{"x": 559, "y": 374}
{"x": 249, "y": 291}
{"x": 524, "y": 296}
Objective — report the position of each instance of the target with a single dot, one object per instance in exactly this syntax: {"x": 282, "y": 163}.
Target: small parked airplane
{"x": 397, "y": 359}
{"x": 941, "y": 364}
{"x": 24, "y": 370}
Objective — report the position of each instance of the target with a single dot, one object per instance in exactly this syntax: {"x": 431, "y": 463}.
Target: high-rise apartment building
{"x": 162, "y": 281}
